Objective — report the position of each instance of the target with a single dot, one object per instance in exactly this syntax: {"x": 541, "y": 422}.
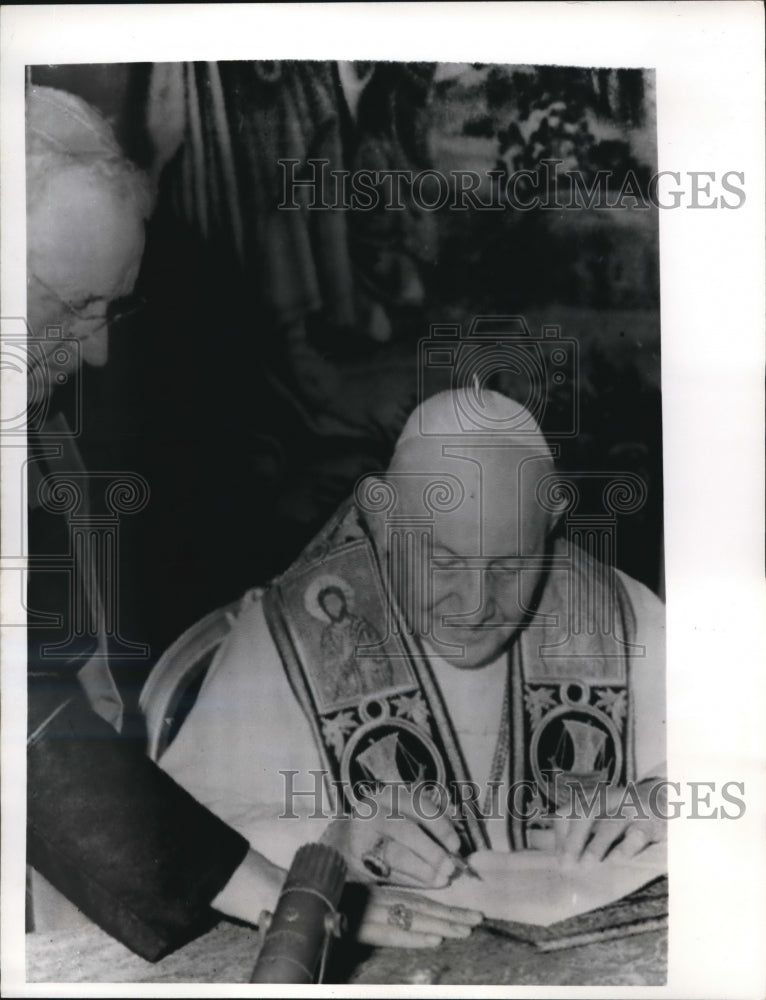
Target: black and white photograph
{"x": 341, "y": 523}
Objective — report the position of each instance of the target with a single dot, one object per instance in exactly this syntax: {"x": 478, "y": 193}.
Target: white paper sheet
{"x": 535, "y": 887}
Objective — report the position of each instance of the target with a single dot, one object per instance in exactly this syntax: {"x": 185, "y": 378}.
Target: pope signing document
{"x": 451, "y": 686}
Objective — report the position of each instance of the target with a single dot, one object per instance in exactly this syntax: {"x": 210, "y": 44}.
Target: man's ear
{"x": 553, "y": 523}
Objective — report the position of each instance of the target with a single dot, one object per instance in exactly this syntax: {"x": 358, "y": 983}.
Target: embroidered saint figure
{"x": 350, "y": 658}
{"x": 343, "y": 635}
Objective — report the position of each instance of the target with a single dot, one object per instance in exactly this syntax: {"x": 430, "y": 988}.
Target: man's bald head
{"x": 469, "y": 467}
{"x": 497, "y": 453}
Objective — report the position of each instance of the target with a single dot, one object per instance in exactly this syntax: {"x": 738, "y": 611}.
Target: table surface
{"x": 227, "y": 954}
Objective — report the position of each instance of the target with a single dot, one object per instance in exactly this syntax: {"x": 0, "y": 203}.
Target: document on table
{"x": 537, "y": 887}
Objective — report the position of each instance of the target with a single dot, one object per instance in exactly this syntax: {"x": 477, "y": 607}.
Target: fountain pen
{"x": 463, "y": 865}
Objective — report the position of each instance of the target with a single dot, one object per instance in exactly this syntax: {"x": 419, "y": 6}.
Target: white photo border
{"x": 708, "y": 59}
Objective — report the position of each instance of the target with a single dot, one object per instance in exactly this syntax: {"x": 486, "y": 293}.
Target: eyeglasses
{"x": 115, "y": 312}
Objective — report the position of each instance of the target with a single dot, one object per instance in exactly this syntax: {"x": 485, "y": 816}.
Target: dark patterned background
{"x": 255, "y": 386}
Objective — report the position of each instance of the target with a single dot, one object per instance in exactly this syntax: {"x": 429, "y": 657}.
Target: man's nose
{"x": 94, "y": 344}
{"x": 486, "y": 596}
{"x": 459, "y": 592}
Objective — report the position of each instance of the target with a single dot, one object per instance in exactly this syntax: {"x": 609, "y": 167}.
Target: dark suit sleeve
{"x": 126, "y": 844}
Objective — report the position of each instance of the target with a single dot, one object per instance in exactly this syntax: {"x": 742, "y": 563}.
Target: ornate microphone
{"x": 305, "y": 918}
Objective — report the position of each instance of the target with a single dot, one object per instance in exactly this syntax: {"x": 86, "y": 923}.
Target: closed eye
{"x": 83, "y": 304}
{"x": 496, "y": 565}
{"x": 448, "y": 561}
{"x": 455, "y": 562}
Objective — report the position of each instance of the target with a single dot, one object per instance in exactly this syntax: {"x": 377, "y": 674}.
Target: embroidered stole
{"x": 377, "y": 715}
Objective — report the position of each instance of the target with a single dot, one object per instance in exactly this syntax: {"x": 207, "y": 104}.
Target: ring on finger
{"x": 400, "y": 915}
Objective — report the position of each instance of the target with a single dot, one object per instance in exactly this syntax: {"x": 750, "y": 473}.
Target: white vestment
{"x": 247, "y": 752}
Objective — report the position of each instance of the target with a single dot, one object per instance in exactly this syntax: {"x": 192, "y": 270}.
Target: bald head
{"x": 490, "y": 449}
{"x": 469, "y": 466}
{"x": 475, "y": 411}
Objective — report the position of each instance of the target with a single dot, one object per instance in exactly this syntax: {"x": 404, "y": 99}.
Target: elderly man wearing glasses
{"x": 104, "y": 825}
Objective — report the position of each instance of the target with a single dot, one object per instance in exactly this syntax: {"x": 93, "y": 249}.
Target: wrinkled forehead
{"x": 480, "y": 500}
{"x": 85, "y": 237}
